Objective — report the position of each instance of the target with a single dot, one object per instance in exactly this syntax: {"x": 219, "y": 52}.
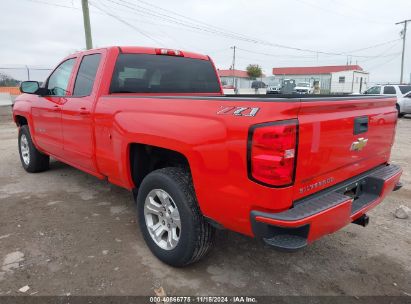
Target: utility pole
{"x": 87, "y": 28}
{"x": 28, "y": 72}
{"x": 235, "y": 88}
{"x": 404, "y": 34}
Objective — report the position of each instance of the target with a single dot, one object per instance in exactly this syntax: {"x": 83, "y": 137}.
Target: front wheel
{"x": 170, "y": 220}
{"x": 31, "y": 159}
{"x": 399, "y": 111}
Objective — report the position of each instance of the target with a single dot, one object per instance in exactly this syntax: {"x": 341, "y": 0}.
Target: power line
{"x": 126, "y": 23}
{"x": 297, "y": 56}
{"x": 205, "y": 27}
{"x": 373, "y": 46}
{"x": 212, "y": 29}
{"x": 180, "y": 15}
{"x": 54, "y": 4}
{"x": 384, "y": 54}
{"x": 337, "y": 12}
{"x": 273, "y": 55}
{"x": 382, "y": 64}
{"x": 144, "y": 21}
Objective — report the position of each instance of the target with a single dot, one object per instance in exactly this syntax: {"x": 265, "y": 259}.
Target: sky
{"x": 276, "y": 33}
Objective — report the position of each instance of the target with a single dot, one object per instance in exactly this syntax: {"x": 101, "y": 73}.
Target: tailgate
{"x": 340, "y": 138}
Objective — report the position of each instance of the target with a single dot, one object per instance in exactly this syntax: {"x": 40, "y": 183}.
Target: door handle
{"x": 56, "y": 108}
{"x": 84, "y": 111}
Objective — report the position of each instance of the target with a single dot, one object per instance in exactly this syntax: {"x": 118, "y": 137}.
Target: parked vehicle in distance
{"x": 398, "y": 90}
{"x": 155, "y": 121}
{"x": 287, "y": 86}
{"x": 302, "y": 88}
{"x": 257, "y": 84}
{"x": 273, "y": 89}
{"x": 404, "y": 103}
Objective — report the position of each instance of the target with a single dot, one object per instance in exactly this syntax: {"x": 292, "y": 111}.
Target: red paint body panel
{"x": 326, "y": 134}
{"x": 215, "y": 146}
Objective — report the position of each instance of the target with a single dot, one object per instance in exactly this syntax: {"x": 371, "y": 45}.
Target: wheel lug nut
{"x": 168, "y": 225}
{"x": 163, "y": 223}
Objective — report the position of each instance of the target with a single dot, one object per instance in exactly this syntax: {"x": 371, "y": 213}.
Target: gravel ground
{"x": 65, "y": 232}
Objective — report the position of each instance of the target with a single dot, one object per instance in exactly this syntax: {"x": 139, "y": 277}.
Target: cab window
{"x": 373, "y": 90}
{"x": 146, "y": 73}
{"x": 58, "y": 81}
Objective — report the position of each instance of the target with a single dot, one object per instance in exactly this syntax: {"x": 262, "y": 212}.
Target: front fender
{"x": 22, "y": 107}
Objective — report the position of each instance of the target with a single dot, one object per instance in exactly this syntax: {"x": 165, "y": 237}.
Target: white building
{"x": 333, "y": 79}
{"x": 234, "y": 78}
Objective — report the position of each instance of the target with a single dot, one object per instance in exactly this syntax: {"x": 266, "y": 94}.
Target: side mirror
{"x": 29, "y": 87}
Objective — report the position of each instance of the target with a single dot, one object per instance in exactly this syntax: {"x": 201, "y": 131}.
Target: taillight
{"x": 272, "y": 152}
{"x": 169, "y": 52}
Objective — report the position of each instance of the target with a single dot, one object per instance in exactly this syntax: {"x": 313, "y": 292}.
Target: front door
{"x": 46, "y": 110}
{"x": 407, "y": 103}
{"x": 77, "y": 121}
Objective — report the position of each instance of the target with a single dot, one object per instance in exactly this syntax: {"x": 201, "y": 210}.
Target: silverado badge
{"x": 359, "y": 144}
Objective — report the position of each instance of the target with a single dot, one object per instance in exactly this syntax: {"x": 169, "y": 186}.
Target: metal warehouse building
{"x": 333, "y": 78}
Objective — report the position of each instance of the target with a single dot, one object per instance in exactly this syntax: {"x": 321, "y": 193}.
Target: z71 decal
{"x": 238, "y": 111}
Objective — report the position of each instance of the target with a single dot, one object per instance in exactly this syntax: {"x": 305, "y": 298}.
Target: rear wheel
{"x": 170, "y": 220}
{"x": 31, "y": 159}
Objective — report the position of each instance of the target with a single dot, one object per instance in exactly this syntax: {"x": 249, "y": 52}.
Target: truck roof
{"x": 149, "y": 50}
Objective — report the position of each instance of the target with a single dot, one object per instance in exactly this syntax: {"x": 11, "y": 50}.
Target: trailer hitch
{"x": 363, "y": 220}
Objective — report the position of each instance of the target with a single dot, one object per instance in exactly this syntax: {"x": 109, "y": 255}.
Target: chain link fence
{"x": 12, "y": 76}
{"x": 16, "y": 74}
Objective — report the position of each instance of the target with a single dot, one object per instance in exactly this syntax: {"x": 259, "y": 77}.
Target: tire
{"x": 31, "y": 159}
{"x": 195, "y": 235}
{"x": 399, "y": 113}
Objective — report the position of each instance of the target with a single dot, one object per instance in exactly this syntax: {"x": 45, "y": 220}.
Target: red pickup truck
{"x": 285, "y": 169}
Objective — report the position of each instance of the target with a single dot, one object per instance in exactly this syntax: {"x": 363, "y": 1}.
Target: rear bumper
{"x": 327, "y": 211}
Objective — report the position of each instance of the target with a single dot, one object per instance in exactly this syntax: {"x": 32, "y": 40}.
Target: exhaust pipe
{"x": 363, "y": 220}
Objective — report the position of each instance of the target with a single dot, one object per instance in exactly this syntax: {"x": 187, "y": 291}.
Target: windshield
{"x": 303, "y": 84}
{"x": 144, "y": 73}
{"x": 405, "y": 89}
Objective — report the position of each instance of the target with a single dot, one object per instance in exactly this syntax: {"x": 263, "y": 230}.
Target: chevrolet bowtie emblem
{"x": 359, "y": 144}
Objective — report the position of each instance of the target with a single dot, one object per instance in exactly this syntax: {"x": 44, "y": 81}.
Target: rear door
{"x": 340, "y": 138}
{"x": 77, "y": 120}
{"x": 46, "y": 110}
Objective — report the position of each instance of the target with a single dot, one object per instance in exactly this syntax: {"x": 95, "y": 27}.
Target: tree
{"x": 254, "y": 71}
{"x": 7, "y": 81}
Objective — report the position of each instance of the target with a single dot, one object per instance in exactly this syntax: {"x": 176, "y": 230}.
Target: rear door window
{"x": 144, "y": 73}
{"x": 86, "y": 75}
{"x": 389, "y": 90}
